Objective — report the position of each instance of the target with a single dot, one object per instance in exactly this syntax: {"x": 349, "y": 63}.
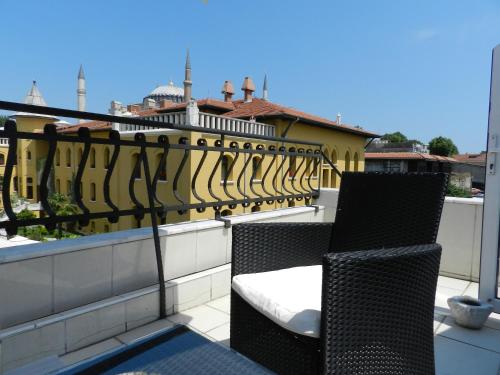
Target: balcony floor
{"x": 458, "y": 350}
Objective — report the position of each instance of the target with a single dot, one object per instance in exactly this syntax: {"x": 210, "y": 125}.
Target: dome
{"x": 167, "y": 91}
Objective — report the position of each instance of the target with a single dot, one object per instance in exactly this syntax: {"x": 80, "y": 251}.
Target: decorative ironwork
{"x": 279, "y": 183}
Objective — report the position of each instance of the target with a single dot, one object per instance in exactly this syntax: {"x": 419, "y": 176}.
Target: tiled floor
{"x": 458, "y": 350}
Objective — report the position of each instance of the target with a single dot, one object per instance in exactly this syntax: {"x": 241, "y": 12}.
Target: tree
{"x": 396, "y": 137}
{"x": 62, "y": 206}
{"x": 24, "y": 214}
{"x": 3, "y": 120}
{"x": 442, "y": 146}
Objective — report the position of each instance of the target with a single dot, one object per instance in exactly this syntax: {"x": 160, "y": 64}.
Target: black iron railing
{"x": 280, "y": 181}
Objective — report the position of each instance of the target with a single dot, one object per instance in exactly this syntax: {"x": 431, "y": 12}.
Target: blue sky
{"x": 420, "y": 67}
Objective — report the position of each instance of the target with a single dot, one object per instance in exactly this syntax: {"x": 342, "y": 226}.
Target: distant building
{"x": 380, "y": 145}
{"x": 407, "y": 162}
{"x": 474, "y": 164}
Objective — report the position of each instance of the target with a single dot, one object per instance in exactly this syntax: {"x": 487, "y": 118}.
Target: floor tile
{"x": 202, "y": 318}
{"x": 451, "y": 283}
{"x": 456, "y": 358}
{"x": 438, "y": 319}
{"x": 220, "y": 334}
{"x": 144, "y": 331}
{"x": 485, "y": 338}
{"x": 223, "y": 304}
{"x": 493, "y": 321}
{"x": 90, "y": 351}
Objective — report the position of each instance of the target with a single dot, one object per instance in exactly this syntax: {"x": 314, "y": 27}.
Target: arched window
{"x": 257, "y": 168}
{"x": 92, "y": 157}
{"x": 225, "y": 165}
{"x": 163, "y": 168}
{"x": 68, "y": 187}
{"x": 347, "y": 161}
{"x": 136, "y": 172}
{"x": 2, "y": 159}
{"x": 68, "y": 157}
{"x": 333, "y": 179}
{"x": 325, "y": 179}
{"x": 356, "y": 162}
{"x": 226, "y": 213}
{"x": 28, "y": 155}
{"x": 58, "y": 185}
{"x": 327, "y": 153}
{"x": 92, "y": 192}
{"x": 80, "y": 153}
{"x": 256, "y": 209}
{"x": 292, "y": 163}
{"x": 58, "y": 157}
{"x": 106, "y": 158}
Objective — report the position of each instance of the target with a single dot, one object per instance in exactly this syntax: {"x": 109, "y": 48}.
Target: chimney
{"x": 248, "y": 88}
{"x": 339, "y": 119}
{"x": 228, "y": 91}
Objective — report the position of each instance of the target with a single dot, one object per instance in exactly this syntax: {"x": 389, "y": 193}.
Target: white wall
{"x": 459, "y": 233}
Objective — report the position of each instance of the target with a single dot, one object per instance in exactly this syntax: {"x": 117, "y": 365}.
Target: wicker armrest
{"x": 261, "y": 247}
{"x": 377, "y": 307}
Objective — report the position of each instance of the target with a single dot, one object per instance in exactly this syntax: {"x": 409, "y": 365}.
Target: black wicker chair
{"x": 377, "y": 304}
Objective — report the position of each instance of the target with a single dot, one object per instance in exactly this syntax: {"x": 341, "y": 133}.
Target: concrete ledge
{"x": 68, "y": 331}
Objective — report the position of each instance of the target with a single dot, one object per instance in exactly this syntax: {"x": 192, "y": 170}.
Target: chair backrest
{"x": 379, "y": 210}
{"x": 377, "y": 311}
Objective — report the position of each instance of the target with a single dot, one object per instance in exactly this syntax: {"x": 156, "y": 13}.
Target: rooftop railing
{"x": 290, "y": 167}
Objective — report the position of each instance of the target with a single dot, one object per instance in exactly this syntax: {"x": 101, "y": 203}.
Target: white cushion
{"x": 290, "y": 297}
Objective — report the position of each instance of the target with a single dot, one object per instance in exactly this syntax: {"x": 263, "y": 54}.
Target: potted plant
{"x": 469, "y": 312}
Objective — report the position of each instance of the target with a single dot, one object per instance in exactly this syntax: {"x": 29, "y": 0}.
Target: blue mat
{"x": 178, "y": 351}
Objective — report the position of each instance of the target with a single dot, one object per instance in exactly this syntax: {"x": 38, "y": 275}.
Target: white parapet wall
{"x": 60, "y": 296}
{"x": 459, "y": 233}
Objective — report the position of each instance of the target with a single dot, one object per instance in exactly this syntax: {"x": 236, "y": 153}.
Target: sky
{"x": 419, "y": 67}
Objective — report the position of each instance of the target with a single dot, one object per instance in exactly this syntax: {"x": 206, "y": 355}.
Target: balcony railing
{"x": 205, "y": 120}
{"x": 286, "y": 168}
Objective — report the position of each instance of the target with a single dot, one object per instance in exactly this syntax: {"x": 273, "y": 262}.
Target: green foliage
{"x": 396, "y": 137}
{"x": 455, "y": 191}
{"x": 62, "y": 205}
{"x": 3, "y": 120}
{"x": 442, "y": 146}
{"x": 26, "y": 215}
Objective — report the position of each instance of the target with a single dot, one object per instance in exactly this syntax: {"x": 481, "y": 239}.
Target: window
{"x": 333, "y": 180}
{"x": 226, "y": 174}
{"x": 292, "y": 163}
{"x": 392, "y": 166}
{"x": 92, "y": 226}
{"x": 92, "y": 192}
{"x": 347, "y": 166}
{"x": 2, "y": 159}
{"x": 29, "y": 187}
{"x": 68, "y": 157}
{"x": 257, "y": 168}
{"x": 106, "y": 228}
{"x": 80, "y": 153}
{"x": 226, "y": 213}
{"x": 16, "y": 184}
{"x": 162, "y": 168}
{"x": 58, "y": 185}
{"x": 58, "y": 157}
{"x": 68, "y": 187}
{"x": 137, "y": 167}
{"x": 28, "y": 155}
{"x": 324, "y": 180}
{"x": 356, "y": 162}
{"x": 106, "y": 158}
{"x": 92, "y": 157}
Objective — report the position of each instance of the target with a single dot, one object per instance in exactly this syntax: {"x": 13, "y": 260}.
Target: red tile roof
{"x": 263, "y": 108}
{"x": 92, "y": 125}
{"x": 407, "y": 156}
{"x": 477, "y": 159}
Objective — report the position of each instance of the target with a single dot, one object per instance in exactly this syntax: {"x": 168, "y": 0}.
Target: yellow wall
{"x": 336, "y": 144}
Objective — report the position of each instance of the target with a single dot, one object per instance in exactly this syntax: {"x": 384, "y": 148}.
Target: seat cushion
{"x": 290, "y": 297}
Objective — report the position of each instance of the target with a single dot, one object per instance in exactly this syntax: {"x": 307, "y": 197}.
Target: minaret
{"x": 81, "y": 91}
{"x": 187, "y": 79}
{"x": 264, "y": 88}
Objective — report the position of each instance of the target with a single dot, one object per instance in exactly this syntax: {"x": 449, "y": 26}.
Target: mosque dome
{"x": 168, "y": 92}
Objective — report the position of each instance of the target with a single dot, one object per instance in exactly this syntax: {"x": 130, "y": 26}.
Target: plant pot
{"x": 469, "y": 312}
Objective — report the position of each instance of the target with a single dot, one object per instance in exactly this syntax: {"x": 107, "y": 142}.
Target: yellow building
{"x": 343, "y": 144}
